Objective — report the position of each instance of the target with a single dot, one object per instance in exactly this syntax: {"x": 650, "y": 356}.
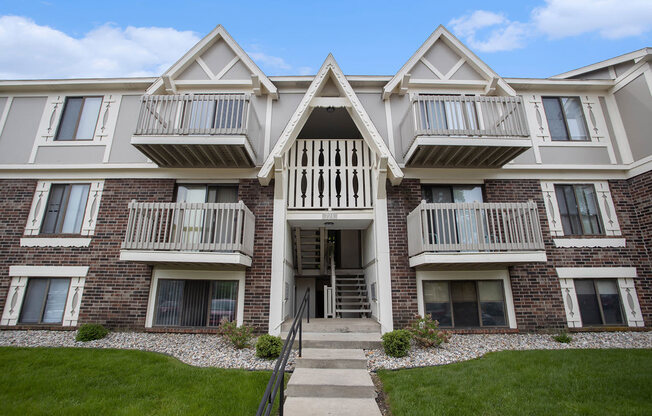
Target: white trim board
{"x": 589, "y": 242}
{"x": 596, "y": 272}
{"x": 185, "y": 257}
{"x": 424, "y": 259}
{"x": 48, "y": 271}
{"x": 55, "y": 242}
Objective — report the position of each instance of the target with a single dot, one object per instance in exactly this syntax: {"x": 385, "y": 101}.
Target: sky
{"x": 528, "y": 38}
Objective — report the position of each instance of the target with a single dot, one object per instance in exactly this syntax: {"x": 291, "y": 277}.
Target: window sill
{"x": 589, "y": 242}
{"x": 55, "y": 143}
{"x": 55, "y": 242}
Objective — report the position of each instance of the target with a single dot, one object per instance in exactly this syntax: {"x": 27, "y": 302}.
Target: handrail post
{"x": 300, "y": 336}
{"x": 308, "y": 314}
{"x": 281, "y": 399}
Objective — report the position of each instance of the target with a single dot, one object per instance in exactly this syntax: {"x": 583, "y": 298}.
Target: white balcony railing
{"x": 477, "y": 226}
{"x": 198, "y": 114}
{"x": 214, "y": 227}
{"x": 465, "y": 116}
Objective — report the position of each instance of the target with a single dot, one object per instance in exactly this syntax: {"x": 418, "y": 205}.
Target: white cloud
{"x": 269, "y": 61}
{"x": 612, "y": 19}
{"x": 503, "y": 34}
{"x": 30, "y": 50}
{"x": 487, "y": 31}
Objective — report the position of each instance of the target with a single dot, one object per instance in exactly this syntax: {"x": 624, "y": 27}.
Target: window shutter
{"x": 594, "y": 118}
{"x": 37, "y": 212}
{"x": 570, "y": 303}
{"x": 607, "y": 209}
{"x": 552, "y": 208}
{"x": 630, "y": 302}
{"x": 71, "y": 313}
{"x": 14, "y": 301}
{"x": 536, "y": 117}
{"x": 92, "y": 208}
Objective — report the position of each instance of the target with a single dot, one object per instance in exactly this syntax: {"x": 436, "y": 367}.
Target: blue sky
{"x": 61, "y": 39}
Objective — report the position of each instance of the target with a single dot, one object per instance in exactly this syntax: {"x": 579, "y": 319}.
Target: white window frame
{"x": 605, "y": 204}
{"x": 623, "y": 275}
{"x": 20, "y": 276}
{"x": 39, "y": 205}
{"x": 447, "y": 275}
{"x": 180, "y": 274}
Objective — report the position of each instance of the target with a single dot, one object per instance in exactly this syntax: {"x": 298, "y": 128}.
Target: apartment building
{"x": 216, "y": 192}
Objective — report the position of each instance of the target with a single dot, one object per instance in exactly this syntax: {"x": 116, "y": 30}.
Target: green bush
{"x": 397, "y": 343}
{"x": 268, "y": 347}
{"x": 425, "y": 331}
{"x": 90, "y": 332}
{"x": 239, "y": 336}
{"x": 563, "y": 338}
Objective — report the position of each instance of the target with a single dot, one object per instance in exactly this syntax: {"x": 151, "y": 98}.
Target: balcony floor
{"x": 452, "y": 152}
{"x": 474, "y": 260}
{"x": 188, "y": 259}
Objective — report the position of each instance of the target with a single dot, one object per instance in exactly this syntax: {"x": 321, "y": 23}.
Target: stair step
{"x": 332, "y": 358}
{"x": 364, "y": 340}
{"x": 338, "y": 325}
{"x": 320, "y": 406}
{"x": 352, "y": 310}
{"x": 318, "y": 382}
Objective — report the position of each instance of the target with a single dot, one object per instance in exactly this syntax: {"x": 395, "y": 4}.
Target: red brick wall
{"x": 401, "y": 200}
{"x": 260, "y": 200}
{"x": 115, "y": 293}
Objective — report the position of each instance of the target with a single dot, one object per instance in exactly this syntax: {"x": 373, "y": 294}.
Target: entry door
{"x": 463, "y": 226}
{"x": 204, "y": 226}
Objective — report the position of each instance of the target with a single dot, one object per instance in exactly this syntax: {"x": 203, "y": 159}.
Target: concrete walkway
{"x": 332, "y": 378}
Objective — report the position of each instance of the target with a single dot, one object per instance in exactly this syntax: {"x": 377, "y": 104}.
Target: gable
{"x": 443, "y": 60}
{"x": 217, "y": 62}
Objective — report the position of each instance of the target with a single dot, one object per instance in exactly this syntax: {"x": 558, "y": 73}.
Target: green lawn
{"x": 570, "y": 382}
{"x": 80, "y": 381}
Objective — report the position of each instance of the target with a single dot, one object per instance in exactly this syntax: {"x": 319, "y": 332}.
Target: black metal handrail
{"x": 277, "y": 381}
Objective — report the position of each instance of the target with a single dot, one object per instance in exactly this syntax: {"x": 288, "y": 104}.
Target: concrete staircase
{"x": 351, "y": 297}
{"x": 331, "y": 377}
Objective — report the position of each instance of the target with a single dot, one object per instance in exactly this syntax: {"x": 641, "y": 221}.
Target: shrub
{"x": 425, "y": 331}
{"x": 90, "y": 332}
{"x": 240, "y": 336}
{"x": 563, "y": 338}
{"x": 397, "y": 343}
{"x": 268, "y": 347}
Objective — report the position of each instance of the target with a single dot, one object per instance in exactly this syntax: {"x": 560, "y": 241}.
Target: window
{"x": 443, "y": 113}
{"x": 45, "y": 301}
{"x": 565, "y": 118}
{"x": 466, "y": 303}
{"x": 578, "y": 209}
{"x": 462, "y": 227}
{"x": 79, "y": 118}
{"x": 196, "y": 303}
{"x": 207, "y": 193}
{"x": 599, "y": 301}
{"x": 65, "y": 209}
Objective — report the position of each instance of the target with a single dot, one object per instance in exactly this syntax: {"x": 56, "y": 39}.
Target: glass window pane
{"x": 224, "y": 300}
{"x": 555, "y": 118}
{"x": 588, "y": 302}
{"x": 568, "y": 209}
{"x": 191, "y": 193}
{"x": 575, "y": 118}
{"x": 33, "y": 303}
{"x": 227, "y": 194}
{"x": 68, "y": 123}
{"x": 168, "y": 302}
{"x": 88, "y": 119}
{"x": 56, "y": 301}
{"x": 195, "y": 303}
{"x": 492, "y": 302}
{"x": 465, "y": 304}
{"x": 470, "y": 193}
{"x": 74, "y": 212}
{"x": 610, "y": 300}
{"x": 588, "y": 209}
{"x": 53, "y": 210}
{"x": 437, "y": 302}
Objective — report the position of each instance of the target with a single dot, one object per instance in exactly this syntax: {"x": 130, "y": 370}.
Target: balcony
{"x": 189, "y": 233}
{"x": 198, "y": 131}
{"x": 464, "y": 234}
{"x": 448, "y": 131}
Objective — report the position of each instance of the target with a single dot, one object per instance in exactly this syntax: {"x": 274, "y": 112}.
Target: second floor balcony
{"x": 189, "y": 233}
{"x": 464, "y": 131}
{"x": 475, "y": 233}
{"x": 197, "y": 130}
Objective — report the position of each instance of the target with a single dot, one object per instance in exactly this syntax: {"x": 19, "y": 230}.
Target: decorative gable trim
{"x": 397, "y": 83}
{"x": 259, "y": 79}
{"x": 349, "y": 101}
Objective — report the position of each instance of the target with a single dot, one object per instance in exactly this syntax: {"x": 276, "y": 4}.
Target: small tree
{"x": 425, "y": 331}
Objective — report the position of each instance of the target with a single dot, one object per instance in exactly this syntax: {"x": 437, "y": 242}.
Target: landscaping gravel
{"x": 202, "y": 350}
{"x": 468, "y": 347}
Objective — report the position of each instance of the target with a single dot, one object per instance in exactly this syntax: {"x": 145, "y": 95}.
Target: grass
{"x": 80, "y": 381}
{"x": 570, "y": 382}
